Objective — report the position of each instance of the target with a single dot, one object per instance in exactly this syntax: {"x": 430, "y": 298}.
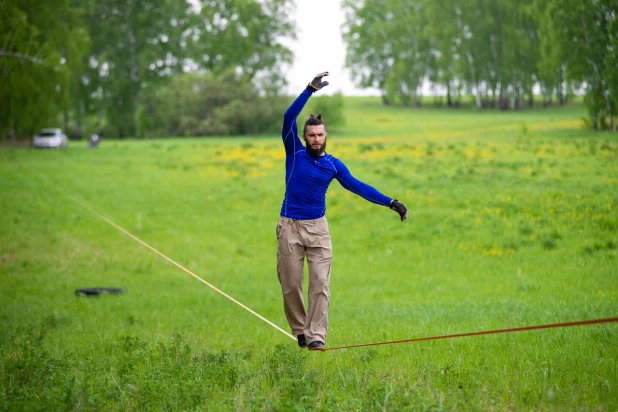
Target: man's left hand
{"x": 317, "y": 83}
{"x": 400, "y": 208}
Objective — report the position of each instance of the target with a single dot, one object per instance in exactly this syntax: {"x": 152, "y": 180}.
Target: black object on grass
{"x": 98, "y": 291}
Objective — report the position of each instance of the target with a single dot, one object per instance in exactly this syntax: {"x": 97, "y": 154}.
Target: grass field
{"x": 513, "y": 222}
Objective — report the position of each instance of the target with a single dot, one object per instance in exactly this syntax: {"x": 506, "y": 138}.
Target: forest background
{"x": 163, "y": 68}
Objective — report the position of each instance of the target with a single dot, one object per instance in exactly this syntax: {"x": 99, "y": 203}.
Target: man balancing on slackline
{"x": 302, "y": 229}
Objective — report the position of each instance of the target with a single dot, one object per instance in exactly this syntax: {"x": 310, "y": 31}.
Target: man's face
{"x": 315, "y": 139}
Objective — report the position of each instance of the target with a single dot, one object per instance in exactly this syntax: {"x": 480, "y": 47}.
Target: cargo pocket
{"x": 279, "y": 228}
{"x": 327, "y": 248}
{"x": 324, "y": 226}
{"x": 325, "y": 241}
{"x": 319, "y": 237}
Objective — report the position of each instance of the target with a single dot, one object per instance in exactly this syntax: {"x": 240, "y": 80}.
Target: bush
{"x": 331, "y": 107}
{"x": 201, "y": 104}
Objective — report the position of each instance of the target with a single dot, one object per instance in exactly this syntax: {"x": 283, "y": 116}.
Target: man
{"x": 302, "y": 229}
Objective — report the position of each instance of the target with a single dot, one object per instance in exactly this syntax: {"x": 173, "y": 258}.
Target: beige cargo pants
{"x": 297, "y": 239}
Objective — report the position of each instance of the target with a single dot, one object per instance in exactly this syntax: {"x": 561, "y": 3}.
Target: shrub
{"x": 202, "y": 104}
{"x": 331, "y": 107}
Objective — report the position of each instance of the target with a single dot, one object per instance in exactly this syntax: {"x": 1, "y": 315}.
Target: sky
{"x": 319, "y": 48}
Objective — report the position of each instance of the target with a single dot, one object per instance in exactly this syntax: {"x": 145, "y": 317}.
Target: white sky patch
{"x": 319, "y": 47}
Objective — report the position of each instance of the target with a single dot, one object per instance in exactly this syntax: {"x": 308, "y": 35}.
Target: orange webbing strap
{"x": 486, "y": 332}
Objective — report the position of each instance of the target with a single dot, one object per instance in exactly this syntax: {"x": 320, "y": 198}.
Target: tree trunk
{"x": 521, "y": 102}
{"x": 385, "y": 100}
{"x": 135, "y": 79}
{"x": 99, "y": 122}
{"x": 66, "y": 120}
{"x": 12, "y": 134}
{"x": 405, "y": 100}
{"x": 479, "y": 102}
{"x": 608, "y": 105}
{"x": 82, "y": 117}
{"x": 502, "y": 99}
{"x": 515, "y": 90}
{"x": 560, "y": 88}
{"x": 419, "y": 95}
{"x": 75, "y": 124}
{"x": 135, "y": 120}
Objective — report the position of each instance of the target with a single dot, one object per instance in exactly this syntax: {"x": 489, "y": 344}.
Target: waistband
{"x": 289, "y": 219}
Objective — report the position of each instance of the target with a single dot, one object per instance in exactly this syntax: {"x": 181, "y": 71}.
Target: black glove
{"x": 317, "y": 83}
{"x": 400, "y": 208}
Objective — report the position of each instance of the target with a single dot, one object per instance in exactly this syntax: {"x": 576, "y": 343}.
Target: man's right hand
{"x": 400, "y": 208}
{"x": 317, "y": 83}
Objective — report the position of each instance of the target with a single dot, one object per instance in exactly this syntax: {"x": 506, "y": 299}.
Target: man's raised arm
{"x": 289, "y": 132}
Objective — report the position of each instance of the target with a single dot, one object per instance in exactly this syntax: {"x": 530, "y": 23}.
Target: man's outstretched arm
{"x": 289, "y": 132}
{"x": 368, "y": 192}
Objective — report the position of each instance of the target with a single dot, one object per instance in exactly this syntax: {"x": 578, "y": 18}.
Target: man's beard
{"x": 316, "y": 151}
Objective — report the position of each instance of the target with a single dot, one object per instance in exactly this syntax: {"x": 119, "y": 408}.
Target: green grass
{"x": 513, "y": 221}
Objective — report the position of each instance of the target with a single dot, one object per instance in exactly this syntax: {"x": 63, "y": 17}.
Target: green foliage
{"x": 41, "y": 44}
{"x": 202, "y": 104}
{"x": 409, "y": 66}
{"x": 137, "y": 48}
{"x": 87, "y": 62}
{"x": 138, "y": 375}
{"x": 243, "y": 34}
{"x": 486, "y": 48}
{"x": 367, "y": 37}
{"x": 332, "y": 108}
{"x": 586, "y": 31}
{"x": 496, "y": 50}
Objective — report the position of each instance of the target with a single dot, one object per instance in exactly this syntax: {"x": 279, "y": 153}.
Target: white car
{"x": 50, "y": 138}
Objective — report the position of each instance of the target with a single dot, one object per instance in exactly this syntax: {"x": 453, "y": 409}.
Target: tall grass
{"x": 513, "y": 221}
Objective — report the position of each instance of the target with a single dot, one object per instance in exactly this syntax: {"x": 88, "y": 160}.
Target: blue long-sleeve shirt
{"x": 307, "y": 178}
